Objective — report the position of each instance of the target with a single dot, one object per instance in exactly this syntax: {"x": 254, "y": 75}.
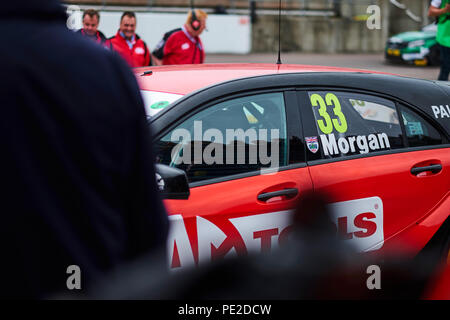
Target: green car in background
{"x": 416, "y": 47}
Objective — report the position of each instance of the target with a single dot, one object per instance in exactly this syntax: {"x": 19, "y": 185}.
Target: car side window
{"x": 352, "y": 124}
{"x": 236, "y": 136}
{"x": 419, "y": 132}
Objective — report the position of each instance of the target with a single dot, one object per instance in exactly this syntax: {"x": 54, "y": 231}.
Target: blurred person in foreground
{"x": 128, "y": 44}
{"x": 91, "y": 19}
{"x": 77, "y": 177}
{"x": 441, "y": 10}
{"x": 183, "y": 45}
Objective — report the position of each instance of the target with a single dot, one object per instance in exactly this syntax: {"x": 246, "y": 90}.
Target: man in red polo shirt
{"x": 128, "y": 44}
{"x": 183, "y": 45}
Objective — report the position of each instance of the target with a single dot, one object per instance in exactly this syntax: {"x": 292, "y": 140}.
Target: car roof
{"x": 193, "y": 77}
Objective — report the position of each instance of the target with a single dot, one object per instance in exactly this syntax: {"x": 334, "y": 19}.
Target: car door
{"x": 244, "y": 159}
{"x": 383, "y": 163}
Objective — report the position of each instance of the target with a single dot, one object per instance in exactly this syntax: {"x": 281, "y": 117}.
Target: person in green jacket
{"x": 441, "y": 10}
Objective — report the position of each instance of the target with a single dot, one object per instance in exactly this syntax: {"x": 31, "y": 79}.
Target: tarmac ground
{"x": 374, "y": 62}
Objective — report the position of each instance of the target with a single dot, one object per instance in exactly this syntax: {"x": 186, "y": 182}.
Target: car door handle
{"x": 289, "y": 193}
{"x": 434, "y": 168}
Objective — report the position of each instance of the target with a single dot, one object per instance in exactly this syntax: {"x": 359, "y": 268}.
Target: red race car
{"x": 252, "y": 138}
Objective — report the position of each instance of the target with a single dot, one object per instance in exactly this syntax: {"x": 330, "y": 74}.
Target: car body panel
{"x": 226, "y": 218}
{"x": 414, "y": 237}
{"x": 416, "y": 47}
{"x": 406, "y": 198}
{"x": 415, "y": 35}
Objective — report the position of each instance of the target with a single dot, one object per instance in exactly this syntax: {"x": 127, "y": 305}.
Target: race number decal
{"x": 326, "y": 124}
{"x": 341, "y": 125}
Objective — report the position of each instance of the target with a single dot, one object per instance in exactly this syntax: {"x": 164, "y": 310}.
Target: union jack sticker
{"x": 312, "y": 143}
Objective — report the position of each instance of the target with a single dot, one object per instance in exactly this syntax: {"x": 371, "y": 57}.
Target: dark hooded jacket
{"x": 77, "y": 177}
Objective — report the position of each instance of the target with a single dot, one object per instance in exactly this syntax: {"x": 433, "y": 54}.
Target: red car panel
{"x": 406, "y": 199}
{"x": 227, "y": 218}
{"x": 203, "y": 75}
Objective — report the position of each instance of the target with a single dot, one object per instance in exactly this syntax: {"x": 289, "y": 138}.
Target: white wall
{"x": 225, "y": 33}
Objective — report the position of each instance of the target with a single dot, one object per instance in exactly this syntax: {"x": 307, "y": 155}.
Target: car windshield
{"x": 156, "y": 101}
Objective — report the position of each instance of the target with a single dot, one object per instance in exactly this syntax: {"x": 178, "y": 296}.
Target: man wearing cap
{"x": 183, "y": 45}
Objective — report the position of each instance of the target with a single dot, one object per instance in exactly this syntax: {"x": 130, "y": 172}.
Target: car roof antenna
{"x": 279, "y": 33}
{"x": 192, "y": 6}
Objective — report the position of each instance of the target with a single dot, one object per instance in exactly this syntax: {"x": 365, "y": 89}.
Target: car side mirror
{"x": 172, "y": 182}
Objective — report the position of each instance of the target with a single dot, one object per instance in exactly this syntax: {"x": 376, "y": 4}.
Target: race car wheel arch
{"x": 438, "y": 248}
{"x": 426, "y": 235}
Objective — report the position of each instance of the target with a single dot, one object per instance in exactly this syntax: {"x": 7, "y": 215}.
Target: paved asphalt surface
{"x": 375, "y": 62}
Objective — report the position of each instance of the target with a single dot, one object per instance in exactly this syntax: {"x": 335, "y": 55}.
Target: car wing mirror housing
{"x": 172, "y": 182}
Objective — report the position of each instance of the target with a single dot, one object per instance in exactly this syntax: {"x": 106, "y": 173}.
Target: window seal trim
{"x": 243, "y": 175}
